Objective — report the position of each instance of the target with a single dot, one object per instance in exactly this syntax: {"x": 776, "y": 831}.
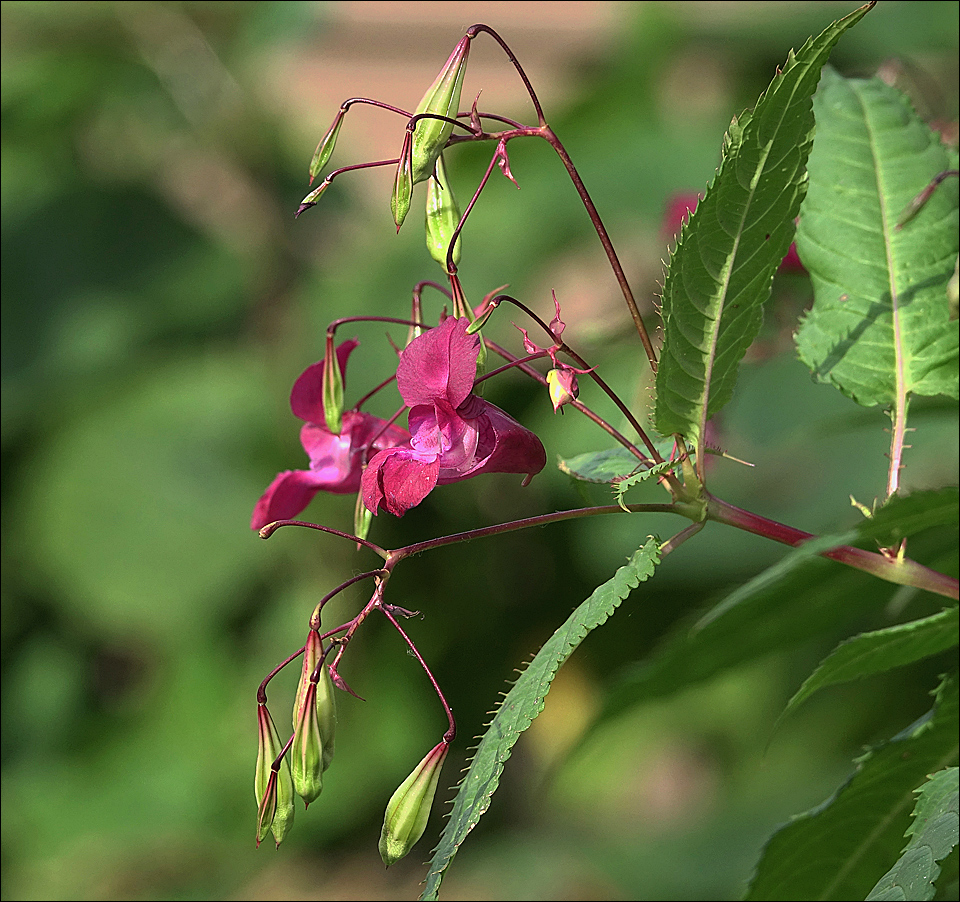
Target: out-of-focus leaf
{"x": 879, "y": 329}
{"x": 599, "y": 466}
{"x": 524, "y": 702}
{"x": 800, "y": 597}
{"x": 840, "y": 849}
{"x": 137, "y": 511}
{"x": 934, "y": 832}
{"x": 720, "y": 273}
{"x": 881, "y": 650}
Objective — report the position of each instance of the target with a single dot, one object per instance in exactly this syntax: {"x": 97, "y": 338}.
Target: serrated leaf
{"x": 721, "y": 271}
{"x": 599, "y": 466}
{"x": 879, "y": 651}
{"x": 934, "y": 831}
{"x": 620, "y": 486}
{"x": 524, "y": 702}
{"x": 838, "y": 850}
{"x": 879, "y": 329}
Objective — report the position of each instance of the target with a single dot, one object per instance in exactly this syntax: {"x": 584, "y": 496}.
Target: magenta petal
{"x": 306, "y": 397}
{"x": 285, "y": 497}
{"x": 440, "y": 364}
{"x": 398, "y": 479}
{"x": 332, "y": 464}
{"x": 504, "y": 446}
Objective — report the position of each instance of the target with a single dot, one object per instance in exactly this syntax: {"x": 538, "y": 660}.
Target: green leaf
{"x": 840, "y": 849}
{"x": 800, "y": 597}
{"x": 879, "y": 651}
{"x": 620, "y": 486}
{"x": 599, "y": 466}
{"x": 935, "y": 829}
{"x": 524, "y": 702}
{"x": 879, "y": 328}
{"x": 720, "y": 273}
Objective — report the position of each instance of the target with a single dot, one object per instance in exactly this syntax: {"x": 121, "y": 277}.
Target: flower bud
{"x": 273, "y": 787}
{"x": 332, "y": 388}
{"x": 409, "y": 808}
{"x": 362, "y": 518}
{"x": 311, "y": 199}
{"x": 324, "y": 699}
{"x": 402, "y": 185}
{"x": 443, "y": 99}
{"x": 321, "y": 156}
{"x": 443, "y": 217}
{"x": 562, "y": 383}
{"x": 306, "y": 753}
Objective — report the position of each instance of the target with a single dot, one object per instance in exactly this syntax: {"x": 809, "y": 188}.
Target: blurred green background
{"x": 159, "y": 299}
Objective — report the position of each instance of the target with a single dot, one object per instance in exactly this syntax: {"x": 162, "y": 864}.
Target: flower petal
{"x": 306, "y": 397}
{"x": 398, "y": 479}
{"x": 440, "y": 364}
{"x": 285, "y": 497}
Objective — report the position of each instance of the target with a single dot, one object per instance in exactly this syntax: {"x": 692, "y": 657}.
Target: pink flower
{"x": 455, "y": 434}
{"x": 336, "y": 461}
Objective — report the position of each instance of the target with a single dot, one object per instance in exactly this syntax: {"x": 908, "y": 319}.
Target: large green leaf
{"x": 841, "y": 849}
{"x": 721, "y": 271}
{"x": 933, "y": 836}
{"x": 881, "y": 650}
{"x": 879, "y": 329}
{"x": 524, "y": 702}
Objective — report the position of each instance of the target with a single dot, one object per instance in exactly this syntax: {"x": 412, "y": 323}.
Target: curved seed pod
{"x": 443, "y": 217}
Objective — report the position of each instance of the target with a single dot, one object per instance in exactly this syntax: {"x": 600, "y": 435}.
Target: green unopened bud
{"x": 311, "y": 199}
{"x": 402, "y": 185}
{"x": 327, "y": 714}
{"x": 324, "y": 697}
{"x": 306, "y": 753}
{"x": 332, "y": 388}
{"x": 273, "y": 786}
{"x": 443, "y": 217}
{"x": 362, "y": 518}
{"x": 321, "y": 156}
{"x": 409, "y": 807}
{"x": 443, "y": 99}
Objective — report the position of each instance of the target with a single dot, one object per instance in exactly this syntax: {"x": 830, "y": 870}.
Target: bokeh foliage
{"x": 158, "y": 301}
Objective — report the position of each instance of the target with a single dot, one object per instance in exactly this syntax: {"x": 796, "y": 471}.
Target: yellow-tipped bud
{"x": 409, "y": 807}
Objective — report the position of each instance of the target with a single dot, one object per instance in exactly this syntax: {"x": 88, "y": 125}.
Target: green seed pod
{"x": 443, "y": 217}
{"x": 442, "y": 98}
{"x": 402, "y": 185}
{"x": 409, "y": 808}
{"x": 273, "y": 788}
{"x": 321, "y": 156}
{"x": 326, "y": 714}
{"x": 306, "y": 752}
{"x": 332, "y": 388}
